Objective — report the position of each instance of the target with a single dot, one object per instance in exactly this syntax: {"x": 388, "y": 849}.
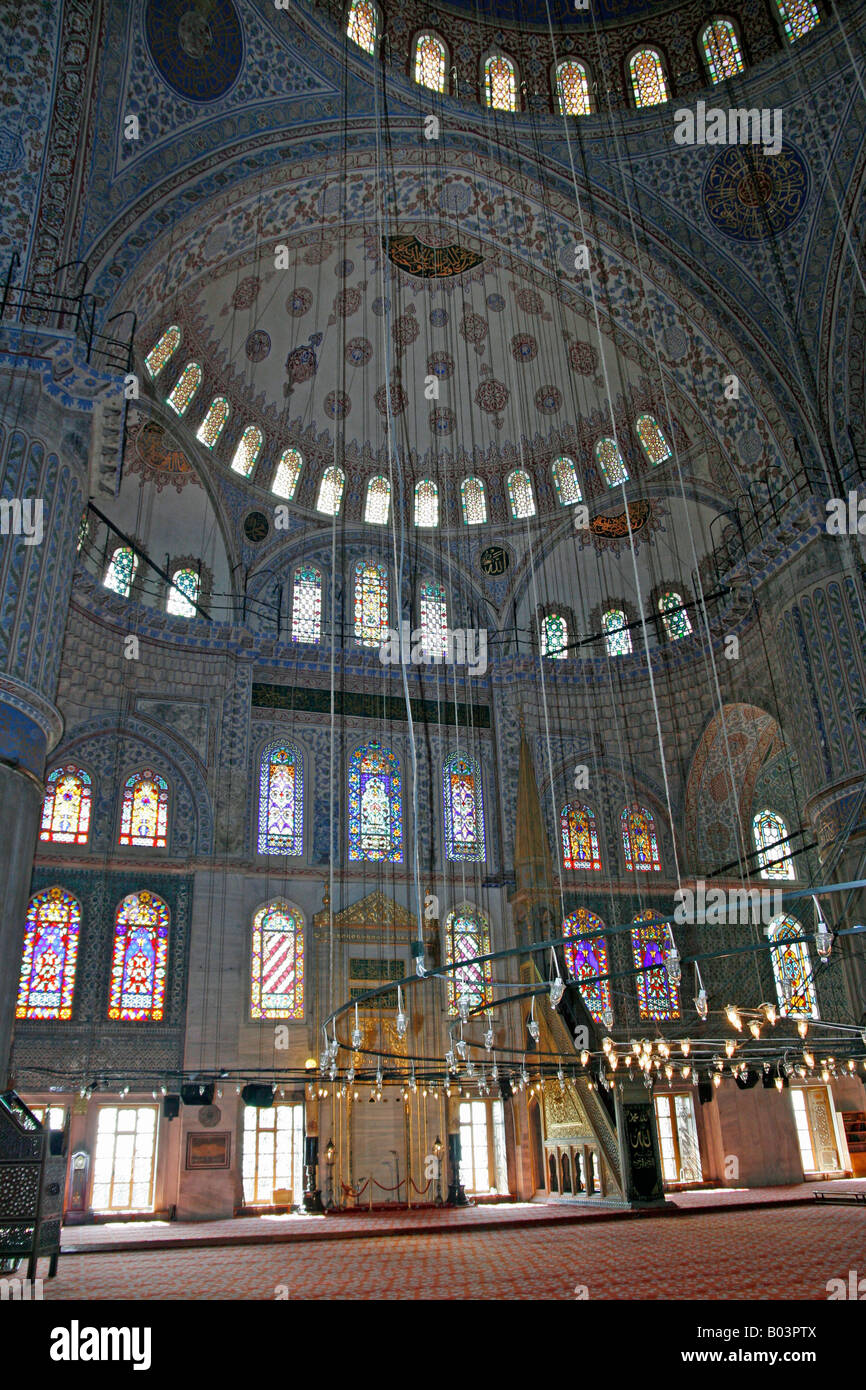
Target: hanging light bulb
{"x": 664, "y": 1050}
{"x": 755, "y": 1028}
{"x": 350, "y": 1076}
{"x": 606, "y": 1045}
{"x": 717, "y": 1079}
{"x": 461, "y": 1047}
{"x": 470, "y": 1067}
{"x": 730, "y": 1047}
{"x": 673, "y": 965}
{"x": 687, "y": 1071}
{"x": 778, "y": 1083}
{"x": 401, "y": 1022}
{"x": 802, "y": 1028}
{"x": 413, "y": 1084}
{"x": 357, "y": 1038}
{"x": 494, "y": 1072}
{"x": 808, "y": 1057}
{"x": 463, "y": 1005}
{"x": 560, "y": 1076}
{"x": 488, "y": 1040}
{"x": 732, "y": 1014}
{"x": 450, "y": 1061}
{"x": 584, "y": 1057}
{"x": 607, "y": 1017}
{"x": 557, "y": 990}
{"x": 524, "y": 1076}
{"x": 532, "y": 1023}
{"x": 379, "y": 1078}
{"x": 333, "y": 1071}
{"x": 823, "y": 936}
{"x": 770, "y": 1013}
{"x": 635, "y": 1047}
{"x": 685, "y": 1046}
{"x": 669, "y": 1071}
{"x": 420, "y": 969}
{"x": 702, "y": 1005}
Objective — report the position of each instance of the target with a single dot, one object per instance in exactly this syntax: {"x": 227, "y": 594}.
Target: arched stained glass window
{"x": 307, "y": 604}
{"x": 183, "y": 594}
{"x": 278, "y": 963}
{"x": 474, "y": 501}
{"x": 67, "y": 806}
{"x": 648, "y": 78}
{"x": 579, "y": 837}
{"x": 798, "y": 17}
{"x": 213, "y": 423}
{"x": 433, "y": 608}
{"x": 617, "y": 638}
{"x": 792, "y": 968}
{"x": 554, "y": 636}
{"x": 121, "y": 570}
{"x": 565, "y": 481}
{"x": 587, "y": 957}
{"x": 430, "y": 62}
{"x": 281, "y": 800}
{"x": 371, "y": 603}
{"x": 464, "y": 809}
{"x": 378, "y": 504}
{"x": 722, "y": 50}
{"x": 331, "y": 491}
{"x": 572, "y": 88}
{"x": 375, "y": 805}
{"x": 610, "y": 461}
{"x": 657, "y": 998}
{"x": 675, "y": 616}
{"x": 426, "y": 503}
{"x": 163, "y": 351}
{"x": 184, "y": 388}
{"x": 287, "y": 473}
{"x": 467, "y": 935}
{"x": 144, "y": 810}
{"x": 247, "y": 451}
{"x": 363, "y": 25}
{"x": 520, "y": 495}
{"x": 655, "y": 446}
{"x": 500, "y": 83}
{"x": 47, "y": 978}
{"x": 139, "y": 960}
{"x": 639, "y": 843}
{"x": 770, "y": 834}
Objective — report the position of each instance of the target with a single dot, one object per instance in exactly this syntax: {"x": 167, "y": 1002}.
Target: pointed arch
{"x": 249, "y": 447}
{"x": 287, "y": 473}
{"x": 364, "y": 24}
{"x": 370, "y": 603}
{"x": 277, "y": 973}
{"x": 565, "y": 481}
{"x": 554, "y": 636}
{"x": 610, "y": 462}
{"x": 721, "y": 49}
{"x": 639, "y": 842}
{"x": 467, "y": 936}
{"x": 652, "y": 439}
{"x": 520, "y": 495}
{"x": 144, "y": 810}
{"x": 184, "y": 593}
{"x": 430, "y": 61}
{"x": 464, "y": 809}
{"x": 46, "y": 981}
{"x": 181, "y": 394}
{"x": 770, "y": 834}
{"x": 617, "y": 638}
{"x": 648, "y": 81}
{"x": 572, "y": 88}
{"x": 579, "y": 834}
{"x": 375, "y": 805}
{"x": 281, "y": 799}
{"x": 798, "y": 17}
{"x": 162, "y": 351}
{"x": 378, "y": 505}
{"x": 433, "y": 616}
{"x": 214, "y": 422}
{"x": 331, "y": 486}
{"x": 67, "y": 807}
{"x": 473, "y": 499}
{"x": 500, "y": 83}
{"x": 587, "y": 959}
{"x": 426, "y": 503}
{"x": 792, "y": 968}
{"x": 674, "y": 615}
{"x": 139, "y": 959}
{"x": 657, "y": 997}
{"x": 121, "y": 570}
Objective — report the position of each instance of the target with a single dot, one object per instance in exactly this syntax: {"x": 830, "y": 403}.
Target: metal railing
{"x": 69, "y": 310}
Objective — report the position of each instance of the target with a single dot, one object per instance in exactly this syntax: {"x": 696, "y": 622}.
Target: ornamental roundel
{"x": 298, "y": 303}
{"x": 337, "y": 405}
{"x": 358, "y": 352}
{"x": 496, "y": 303}
{"x": 344, "y": 268}
{"x": 347, "y": 301}
{"x": 613, "y": 525}
{"x": 438, "y": 317}
{"x": 442, "y": 421}
{"x": 523, "y": 347}
{"x": 256, "y": 527}
{"x": 530, "y": 301}
{"x": 474, "y": 329}
{"x": 441, "y": 365}
{"x": 258, "y": 345}
{"x": 398, "y": 400}
{"x": 301, "y": 364}
{"x": 548, "y": 400}
{"x": 381, "y": 306}
{"x": 198, "y": 50}
{"x": 583, "y": 358}
{"x": 492, "y": 397}
{"x": 750, "y": 196}
{"x": 406, "y": 329}
{"x": 247, "y": 292}
{"x": 317, "y": 253}
{"x": 151, "y": 454}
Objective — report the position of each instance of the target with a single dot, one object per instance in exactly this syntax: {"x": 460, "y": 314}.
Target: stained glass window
{"x": 565, "y": 481}
{"x": 139, "y": 959}
{"x": 554, "y": 636}
{"x": 657, "y": 998}
{"x": 520, "y": 494}
{"x": 331, "y": 491}
{"x": 278, "y": 963}
{"x": 610, "y": 461}
{"x": 247, "y": 451}
{"x": 430, "y": 62}
{"x": 467, "y": 935}
{"x": 674, "y": 616}
{"x": 121, "y": 570}
{"x": 378, "y": 504}
{"x": 434, "y": 621}
{"x": 281, "y": 800}
{"x": 617, "y": 638}
{"x": 363, "y": 26}
{"x": 213, "y": 423}
{"x": 287, "y": 473}
{"x": 473, "y": 501}
{"x": 792, "y": 968}
{"x": 464, "y": 809}
{"x": 375, "y": 805}
{"x": 587, "y": 957}
{"x": 798, "y": 17}
{"x": 500, "y": 83}
{"x": 426, "y": 503}
{"x": 371, "y": 603}
{"x": 648, "y": 78}
{"x": 722, "y": 50}
{"x": 183, "y": 594}
{"x": 67, "y": 806}
{"x": 770, "y": 833}
{"x": 144, "y": 810}
{"x": 572, "y": 88}
{"x": 579, "y": 837}
{"x": 639, "y": 839}
{"x": 655, "y": 446}
{"x": 307, "y": 604}
{"x": 47, "y": 977}
{"x": 162, "y": 351}
{"x": 185, "y": 388}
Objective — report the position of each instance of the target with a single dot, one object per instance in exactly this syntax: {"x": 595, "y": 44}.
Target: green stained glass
{"x": 247, "y": 451}
{"x": 185, "y": 388}
{"x": 162, "y": 351}
{"x": 648, "y": 78}
{"x": 722, "y": 50}
{"x": 609, "y": 460}
{"x": 287, "y": 472}
{"x": 572, "y": 88}
{"x": 654, "y": 444}
{"x": 213, "y": 423}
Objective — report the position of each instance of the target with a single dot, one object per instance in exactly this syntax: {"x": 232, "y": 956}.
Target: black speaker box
{"x": 505, "y": 1089}
{"x": 171, "y": 1107}
{"x": 197, "y": 1093}
{"x": 705, "y": 1092}
{"x": 258, "y": 1095}
{"x": 746, "y": 1082}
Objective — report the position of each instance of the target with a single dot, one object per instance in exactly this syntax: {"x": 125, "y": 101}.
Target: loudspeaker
{"x": 505, "y": 1089}
{"x": 171, "y": 1107}
{"x": 257, "y": 1094}
{"x": 197, "y": 1093}
{"x": 705, "y": 1092}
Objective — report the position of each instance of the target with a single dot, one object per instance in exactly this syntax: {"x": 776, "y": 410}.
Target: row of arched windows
{"x": 182, "y": 600}
{"x": 673, "y": 614}
{"x": 719, "y": 44}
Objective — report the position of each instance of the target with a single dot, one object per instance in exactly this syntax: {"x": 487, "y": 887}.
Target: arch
{"x": 433, "y": 615}
{"x": 520, "y": 495}
{"x": 467, "y": 935}
{"x": 792, "y": 968}
{"x": 375, "y": 805}
{"x": 426, "y": 503}
{"x": 769, "y": 831}
{"x": 277, "y": 973}
{"x": 281, "y": 799}
{"x": 648, "y": 82}
{"x": 144, "y": 810}
{"x": 378, "y": 504}
{"x": 214, "y": 422}
{"x": 67, "y": 807}
{"x": 287, "y": 473}
{"x": 721, "y": 49}
{"x": 463, "y": 803}
{"x": 587, "y": 958}
{"x": 500, "y": 83}
{"x": 162, "y": 351}
{"x": 370, "y": 603}
{"x": 657, "y": 997}
{"x": 652, "y": 439}
{"x": 610, "y": 462}
{"x": 571, "y": 82}
{"x": 617, "y": 638}
{"x": 46, "y": 982}
{"x": 579, "y": 835}
{"x": 139, "y": 959}
{"x": 121, "y": 570}
{"x": 554, "y": 636}
{"x": 249, "y": 447}
{"x": 331, "y": 486}
{"x": 473, "y": 500}
{"x": 639, "y": 842}
{"x": 798, "y": 17}
{"x": 181, "y": 394}
{"x": 675, "y": 616}
{"x": 565, "y": 481}
{"x": 431, "y": 57}
{"x": 364, "y": 24}
{"x": 720, "y": 790}
{"x": 307, "y": 604}
{"x": 183, "y": 594}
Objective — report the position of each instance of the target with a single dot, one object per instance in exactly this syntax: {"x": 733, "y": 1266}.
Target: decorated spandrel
{"x": 144, "y": 810}
{"x": 587, "y": 958}
{"x": 183, "y": 594}
{"x": 572, "y": 88}
{"x": 162, "y": 351}
{"x": 500, "y": 83}
{"x": 371, "y": 603}
{"x": 375, "y": 805}
{"x": 792, "y": 968}
{"x": 67, "y": 806}
{"x": 610, "y": 461}
{"x": 47, "y": 978}
{"x": 185, "y": 388}
{"x": 277, "y": 988}
{"x": 771, "y": 835}
{"x": 657, "y": 998}
{"x": 653, "y": 442}
{"x": 639, "y": 842}
{"x": 281, "y": 800}
{"x": 464, "y": 810}
{"x": 121, "y": 571}
{"x": 566, "y": 482}
{"x": 554, "y": 636}
{"x": 617, "y": 638}
{"x": 426, "y": 503}
{"x": 579, "y": 837}
{"x": 430, "y": 62}
{"x": 520, "y": 494}
{"x": 378, "y": 504}
{"x": 473, "y": 501}
{"x": 467, "y": 936}
{"x": 287, "y": 473}
{"x": 307, "y": 604}
{"x": 675, "y": 616}
{"x": 648, "y": 78}
{"x": 139, "y": 959}
{"x": 722, "y": 50}
{"x": 213, "y": 423}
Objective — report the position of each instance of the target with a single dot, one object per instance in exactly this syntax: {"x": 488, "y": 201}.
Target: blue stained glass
{"x": 375, "y": 805}
{"x": 281, "y": 800}
{"x": 657, "y": 998}
{"x": 464, "y": 809}
{"x": 586, "y": 958}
